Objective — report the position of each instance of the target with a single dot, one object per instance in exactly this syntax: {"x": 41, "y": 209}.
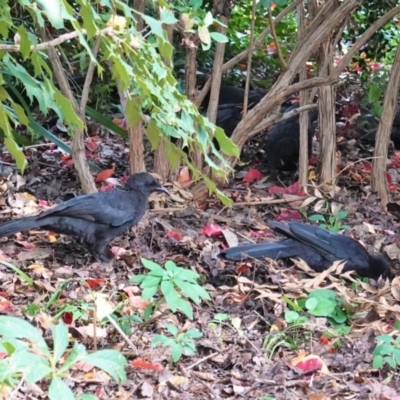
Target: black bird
{"x": 317, "y": 247}
{"x": 235, "y": 95}
{"x": 370, "y": 135}
{"x": 283, "y": 142}
{"x": 96, "y": 218}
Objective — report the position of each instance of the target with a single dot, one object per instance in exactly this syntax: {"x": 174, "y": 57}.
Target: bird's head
{"x": 145, "y": 183}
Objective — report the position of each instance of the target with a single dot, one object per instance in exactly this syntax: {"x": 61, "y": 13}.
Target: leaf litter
{"x": 244, "y": 349}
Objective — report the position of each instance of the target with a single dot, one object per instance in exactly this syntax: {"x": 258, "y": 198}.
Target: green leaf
{"x": 68, "y": 111}
{"x": 77, "y": 353}
{"x": 16, "y": 153}
{"x": 377, "y": 362}
{"x": 148, "y": 293}
{"x": 171, "y": 295}
{"x": 316, "y": 217}
{"x": 374, "y": 93}
{"x": 219, "y": 37}
{"x": 153, "y": 267}
{"x": 172, "y": 329}
{"x": 150, "y": 281}
{"x": 185, "y": 307}
{"x": 176, "y": 353}
{"x": 12, "y": 327}
{"x": 25, "y": 43}
{"x": 341, "y": 214}
{"x": 209, "y": 19}
{"x": 22, "y": 274}
{"x": 194, "y": 334}
{"x": 167, "y": 17}
{"x": 159, "y": 339}
{"x": 110, "y": 361}
{"x": 60, "y": 336}
{"x": 291, "y": 316}
{"x": 320, "y": 307}
{"x": 59, "y": 390}
{"x": 390, "y": 362}
{"x": 32, "y": 366}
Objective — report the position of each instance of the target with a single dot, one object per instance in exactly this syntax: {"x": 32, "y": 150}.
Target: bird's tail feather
{"x": 275, "y": 250}
{"x": 20, "y": 225}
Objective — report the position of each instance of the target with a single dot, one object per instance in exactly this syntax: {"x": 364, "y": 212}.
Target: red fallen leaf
{"x": 324, "y": 340}
{"x": 349, "y": 110}
{"x": 139, "y": 363}
{"x": 365, "y": 166}
{"x": 295, "y": 189}
{"x": 202, "y": 207}
{"x": 389, "y": 178}
{"x": 27, "y": 245}
{"x": 92, "y": 146}
{"x": 243, "y": 268}
{"x": 310, "y": 363}
{"x": 276, "y": 190}
{"x": 94, "y": 137}
{"x": 136, "y": 301}
{"x": 93, "y": 283}
{"x": 253, "y": 175}
{"x": 3, "y": 354}
{"x": 6, "y": 307}
{"x": 313, "y": 161}
{"x": 68, "y": 318}
{"x": 82, "y": 366}
{"x": 211, "y": 230}
{"x": 174, "y": 235}
{"x": 375, "y": 66}
{"x": 287, "y": 215}
{"x": 103, "y": 175}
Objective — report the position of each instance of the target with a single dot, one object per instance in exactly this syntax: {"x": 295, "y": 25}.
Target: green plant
{"x": 181, "y": 343}
{"x": 175, "y": 283}
{"x": 386, "y": 352}
{"x": 333, "y": 223}
{"x": 325, "y": 303}
{"x": 27, "y": 357}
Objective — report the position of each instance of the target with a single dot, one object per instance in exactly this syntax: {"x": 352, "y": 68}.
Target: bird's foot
{"x": 101, "y": 258}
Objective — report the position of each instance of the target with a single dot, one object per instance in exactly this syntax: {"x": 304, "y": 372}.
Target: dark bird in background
{"x": 282, "y": 146}
{"x": 230, "y": 106}
{"x": 317, "y": 247}
{"x": 96, "y": 218}
{"x": 370, "y": 135}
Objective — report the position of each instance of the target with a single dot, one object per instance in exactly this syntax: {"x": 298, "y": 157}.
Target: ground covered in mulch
{"x": 247, "y": 349}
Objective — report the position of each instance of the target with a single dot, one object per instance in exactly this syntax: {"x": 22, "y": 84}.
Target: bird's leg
{"x": 99, "y": 252}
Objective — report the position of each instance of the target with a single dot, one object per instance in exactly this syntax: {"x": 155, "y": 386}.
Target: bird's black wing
{"x": 332, "y": 246}
{"x": 288, "y": 248}
{"x": 108, "y": 208}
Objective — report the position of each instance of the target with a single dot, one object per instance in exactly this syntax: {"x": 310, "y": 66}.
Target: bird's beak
{"x": 164, "y": 190}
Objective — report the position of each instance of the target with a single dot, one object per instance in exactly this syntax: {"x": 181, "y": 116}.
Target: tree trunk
{"x": 326, "y": 108}
{"x": 161, "y": 164}
{"x": 378, "y": 178}
{"x": 303, "y": 117}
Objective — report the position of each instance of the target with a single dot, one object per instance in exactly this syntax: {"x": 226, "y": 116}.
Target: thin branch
{"x": 273, "y": 33}
{"x": 89, "y": 76}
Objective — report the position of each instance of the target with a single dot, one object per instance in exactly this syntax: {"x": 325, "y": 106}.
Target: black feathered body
{"x": 317, "y": 247}
{"x": 96, "y": 218}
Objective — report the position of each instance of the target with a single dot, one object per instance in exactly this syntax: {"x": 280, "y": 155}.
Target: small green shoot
{"x": 386, "y": 352}
{"x": 332, "y": 223}
{"x": 28, "y": 357}
{"x": 176, "y": 284}
{"x": 182, "y": 343}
